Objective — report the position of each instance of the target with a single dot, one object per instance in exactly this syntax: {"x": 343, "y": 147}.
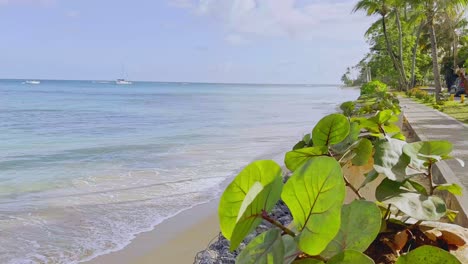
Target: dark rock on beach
{"x": 218, "y": 251}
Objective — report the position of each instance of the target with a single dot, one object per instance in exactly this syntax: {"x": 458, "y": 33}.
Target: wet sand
{"x": 176, "y": 240}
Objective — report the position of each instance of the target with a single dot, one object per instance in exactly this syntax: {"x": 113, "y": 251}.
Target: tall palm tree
{"x": 397, "y": 7}
{"x": 432, "y": 7}
{"x": 382, "y": 8}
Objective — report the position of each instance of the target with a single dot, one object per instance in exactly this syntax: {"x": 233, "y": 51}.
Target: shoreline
{"x": 175, "y": 240}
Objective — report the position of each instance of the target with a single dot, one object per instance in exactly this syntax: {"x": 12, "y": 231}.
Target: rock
{"x": 218, "y": 252}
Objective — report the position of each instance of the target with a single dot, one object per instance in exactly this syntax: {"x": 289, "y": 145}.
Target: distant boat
{"x": 122, "y": 81}
{"x": 32, "y": 82}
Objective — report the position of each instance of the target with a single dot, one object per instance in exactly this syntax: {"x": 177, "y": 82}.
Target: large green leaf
{"x": 363, "y": 152}
{"x": 330, "y": 130}
{"x": 390, "y": 160}
{"x": 428, "y": 255}
{"x": 352, "y": 137}
{"x": 350, "y": 257}
{"x": 267, "y": 248}
{"x": 360, "y": 225}
{"x": 256, "y": 188}
{"x": 410, "y": 201}
{"x": 382, "y": 117}
{"x": 348, "y": 108}
{"x": 294, "y": 159}
{"x": 423, "y": 152}
{"x": 314, "y": 194}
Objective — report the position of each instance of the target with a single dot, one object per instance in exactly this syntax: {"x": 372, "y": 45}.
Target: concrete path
{"x": 430, "y": 124}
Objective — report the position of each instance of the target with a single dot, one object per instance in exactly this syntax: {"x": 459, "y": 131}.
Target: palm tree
{"x": 432, "y": 7}
{"x": 383, "y": 8}
{"x": 416, "y": 17}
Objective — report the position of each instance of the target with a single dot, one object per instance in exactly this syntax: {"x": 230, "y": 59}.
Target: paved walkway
{"x": 430, "y": 124}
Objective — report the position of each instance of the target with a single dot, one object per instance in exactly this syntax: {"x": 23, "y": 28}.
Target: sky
{"x": 240, "y": 41}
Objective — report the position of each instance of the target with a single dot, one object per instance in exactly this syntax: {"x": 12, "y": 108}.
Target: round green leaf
{"x": 294, "y": 159}
{"x": 383, "y": 116}
{"x": 348, "y": 108}
{"x": 390, "y": 160}
{"x": 428, "y": 255}
{"x": 350, "y": 257}
{"x": 363, "y": 152}
{"x": 314, "y": 194}
{"x": 257, "y": 187}
{"x": 360, "y": 225}
{"x": 427, "y": 151}
{"x": 267, "y": 248}
{"x": 353, "y": 136}
{"x": 330, "y": 130}
{"x": 410, "y": 201}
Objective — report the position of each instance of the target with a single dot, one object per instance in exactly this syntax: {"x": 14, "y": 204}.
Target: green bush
{"x": 324, "y": 229}
{"x": 373, "y": 87}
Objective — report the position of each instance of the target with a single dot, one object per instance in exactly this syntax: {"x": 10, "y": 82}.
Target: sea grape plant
{"x": 324, "y": 230}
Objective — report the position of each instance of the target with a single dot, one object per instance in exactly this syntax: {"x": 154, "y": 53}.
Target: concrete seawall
{"x": 429, "y": 124}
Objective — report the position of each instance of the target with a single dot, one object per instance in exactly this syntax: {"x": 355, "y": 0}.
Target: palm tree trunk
{"x": 455, "y": 51}
{"x": 435, "y": 63}
{"x": 390, "y": 52}
{"x": 415, "y": 49}
{"x": 400, "y": 50}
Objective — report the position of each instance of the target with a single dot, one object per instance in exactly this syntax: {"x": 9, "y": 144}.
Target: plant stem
{"x": 387, "y": 213}
{"x": 352, "y": 188}
{"x": 277, "y": 224}
{"x": 429, "y": 176}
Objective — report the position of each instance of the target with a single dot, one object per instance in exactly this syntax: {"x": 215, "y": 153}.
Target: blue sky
{"x": 259, "y": 41}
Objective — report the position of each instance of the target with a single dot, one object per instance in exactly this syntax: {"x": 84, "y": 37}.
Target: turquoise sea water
{"x": 85, "y": 165}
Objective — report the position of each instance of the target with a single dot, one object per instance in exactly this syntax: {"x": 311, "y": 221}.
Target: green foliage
{"x": 330, "y": 130}
{"x": 350, "y": 257}
{"x": 257, "y": 188}
{"x": 265, "y": 248}
{"x": 390, "y": 160}
{"x": 294, "y": 159}
{"x": 428, "y": 255}
{"x": 352, "y": 137}
{"x": 314, "y": 194}
{"x": 363, "y": 152}
{"x": 348, "y": 108}
{"x": 410, "y": 200}
{"x": 360, "y": 224}
{"x": 323, "y": 229}
{"x": 373, "y": 87}
{"x": 452, "y": 188}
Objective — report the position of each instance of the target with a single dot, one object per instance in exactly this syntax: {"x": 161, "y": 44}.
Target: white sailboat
{"x": 123, "y": 81}
{"x": 32, "y": 82}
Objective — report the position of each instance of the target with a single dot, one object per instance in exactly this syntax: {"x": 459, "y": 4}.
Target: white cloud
{"x": 272, "y": 18}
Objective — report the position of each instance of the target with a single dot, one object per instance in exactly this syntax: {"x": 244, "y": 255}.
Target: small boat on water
{"x": 32, "y": 82}
{"x": 122, "y": 81}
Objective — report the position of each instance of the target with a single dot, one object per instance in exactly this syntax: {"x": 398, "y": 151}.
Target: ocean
{"x": 85, "y": 166}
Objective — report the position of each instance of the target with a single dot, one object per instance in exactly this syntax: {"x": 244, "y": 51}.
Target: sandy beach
{"x": 176, "y": 240}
